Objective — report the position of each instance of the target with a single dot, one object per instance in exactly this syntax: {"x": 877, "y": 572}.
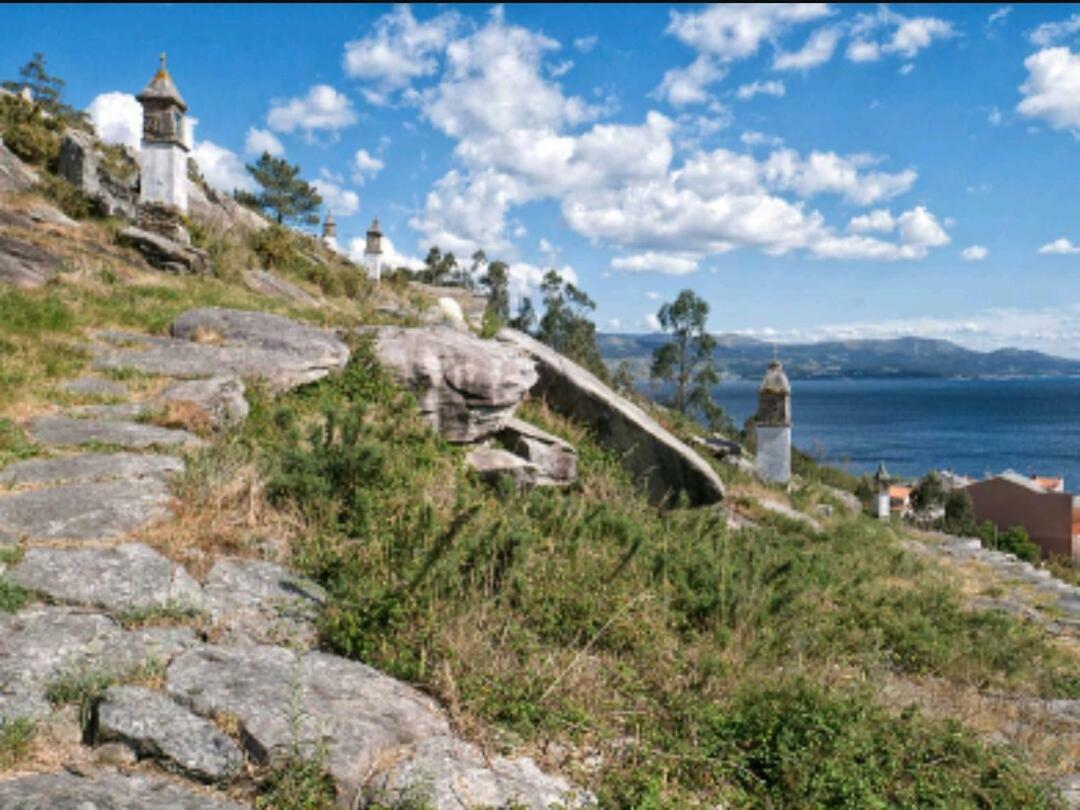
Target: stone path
{"x": 106, "y": 610}
{"x": 1026, "y": 591}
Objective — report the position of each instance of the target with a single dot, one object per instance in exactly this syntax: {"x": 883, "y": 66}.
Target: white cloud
{"x": 222, "y": 168}
{"x": 653, "y": 322}
{"x": 493, "y": 84}
{"x": 974, "y": 253}
{"x": 1052, "y": 89}
{"x": 400, "y": 50}
{"x": 117, "y": 118}
{"x": 1060, "y": 247}
{"x": 586, "y": 44}
{"x": 751, "y": 138}
{"x": 769, "y": 88}
{"x": 818, "y": 50}
{"x": 906, "y": 69}
{"x": 365, "y": 165}
{"x": 917, "y": 33}
{"x": 880, "y": 220}
{"x": 682, "y": 86}
{"x": 323, "y": 108}
{"x": 614, "y": 323}
{"x": 262, "y": 140}
{"x": 652, "y": 295}
{"x": 994, "y": 117}
{"x": 999, "y": 15}
{"x": 521, "y": 139}
{"x": 548, "y": 249}
{"x": 736, "y": 30}
{"x": 863, "y": 51}
{"x": 828, "y": 172}
{"x": 919, "y": 228}
{"x": 1049, "y": 33}
{"x": 342, "y": 201}
{"x": 903, "y": 36}
{"x": 671, "y": 264}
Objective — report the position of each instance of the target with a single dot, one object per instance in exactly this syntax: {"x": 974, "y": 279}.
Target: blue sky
{"x": 811, "y": 170}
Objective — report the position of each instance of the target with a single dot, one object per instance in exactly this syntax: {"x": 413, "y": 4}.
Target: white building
{"x": 164, "y": 154}
{"x": 772, "y": 426}
{"x": 373, "y": 251}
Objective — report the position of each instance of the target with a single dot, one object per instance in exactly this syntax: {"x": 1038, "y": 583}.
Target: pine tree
{"x": 687, "y": 361}
{"x": 284, "y": 193}
{"x": 566, "y": 325}
{"x": 47, "y": 91}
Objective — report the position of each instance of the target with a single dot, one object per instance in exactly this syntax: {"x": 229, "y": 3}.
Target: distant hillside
{"x": 901, "y": 357}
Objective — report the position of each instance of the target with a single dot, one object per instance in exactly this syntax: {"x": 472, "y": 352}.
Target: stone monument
{"x": 373, "y": 251}
{"x": 164, "y": 154}
{"x": 772, "y": 426}
{"x": 329, "y": 231}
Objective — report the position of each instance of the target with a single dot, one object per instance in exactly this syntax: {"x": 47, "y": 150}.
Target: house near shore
{"x": 1049, "y": 515}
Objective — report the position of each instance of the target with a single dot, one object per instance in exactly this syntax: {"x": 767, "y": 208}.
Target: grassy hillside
{"x": 655, "y": 655}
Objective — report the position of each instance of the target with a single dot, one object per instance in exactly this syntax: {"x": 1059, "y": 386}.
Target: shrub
{"x": 32, "y": 144}
{"x": 68, "y": 199}
{"x": 1015, "y": 540}
{"x": 15, "y": 737}
{"x": 12, "y": 597}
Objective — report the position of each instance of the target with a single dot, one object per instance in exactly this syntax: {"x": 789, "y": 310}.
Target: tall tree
{"x": 567, "y": 326}
{"x": 284, "y": 193}
{"x": 47, "y": 91}
{"x": 525, "y": 318}
{"x": 497, "y": 282}
{"x": 687, "y": 360}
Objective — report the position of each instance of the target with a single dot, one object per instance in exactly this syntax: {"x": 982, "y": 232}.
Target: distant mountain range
{"x": 744, "y": 357}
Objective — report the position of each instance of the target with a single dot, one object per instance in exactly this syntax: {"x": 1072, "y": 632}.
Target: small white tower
{"x": 373, "y": 251}
{"x": 881, "y": 497}
{"x": 329, "y": 231}
{"x": 164, "y": 155}
{"x": 772, "y": 426}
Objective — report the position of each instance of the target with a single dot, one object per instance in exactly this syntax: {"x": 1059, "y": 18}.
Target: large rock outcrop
{"x": 650, "y": 452}
{"x": 104, "y": 791}
{"x": 216, "y": 342}
{"x": 81, "y": 164}
{"x": 467, "y": 387}
{"x": 164, "y": 253}
{"x": 24, "y": 265}
{"x": 14, "y": 174}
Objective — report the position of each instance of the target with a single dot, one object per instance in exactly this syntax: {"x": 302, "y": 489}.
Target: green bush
{"x": 12, "y": 597}
{"x": 68, "y": 199}
{"x": 1015, "y": 540}
{"x": 15, "y": 737}
{"x": 794, "y": 745}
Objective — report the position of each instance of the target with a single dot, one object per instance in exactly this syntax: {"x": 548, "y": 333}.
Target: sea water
{"x": 973, "y": 427}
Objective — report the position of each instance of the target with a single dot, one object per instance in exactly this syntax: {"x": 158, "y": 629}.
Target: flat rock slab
{"x": 90, "y": 467}
{"x": 467, "y": 387}
{"x": 64, "y": 430}
{"x": 221, "y": 399}
{"x": 266, "y": 283}
{"x": 647, "y": 450}
{"x": 154, "y": 726}
{"x": 14, "y": 174}
{"x": 261, "y": 601}
{"x": 119, "y": 412}
{"x": 104, "y": 791}
{"x": 24, "y": 265}
{"x": 130, "y": 577}
{"x": 445, "y": 772}
{"x": 43, "y": 643}
{"x": 493, "y": 463}
{"x": 281, "y": 697}
{"x": 555, "y": 459}
{"x": 95, "y": 387}
{"x": 215, "y": 342}
{"x": 98, "y": 510}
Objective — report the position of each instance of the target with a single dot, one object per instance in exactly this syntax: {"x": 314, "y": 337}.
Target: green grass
{"x": 12, "y": 597}
{"x": 657, "y": 638}
{"x": 85, "y": 685}
{"x": 15, "y": 737}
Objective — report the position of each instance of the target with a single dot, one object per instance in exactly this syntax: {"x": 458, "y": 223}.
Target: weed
{"x": 12, "y": 597}
{"x": 15, "y": 737}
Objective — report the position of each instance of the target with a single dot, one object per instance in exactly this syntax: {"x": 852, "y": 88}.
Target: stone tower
{"x": 164, "y": 155}
{"x": 772, "y": 426}
{"x": 373, "y": 251}
{"x": 329, "y": 231}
